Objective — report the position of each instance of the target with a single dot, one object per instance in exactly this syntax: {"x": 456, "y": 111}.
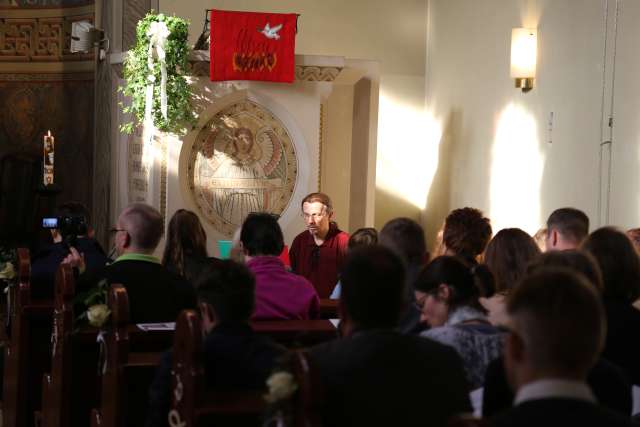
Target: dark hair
{"x": 466, "y": 233}
{"x": 507, "y": 256}
{"x": 74, "y": 209}
{"x": 185, "y": 236}
{"x": 229, "y": 288}
{"x": 318, "y": 197}
{"x": 261, "y": 235}
{"x": 571, "y": 223}
{"x": 363, "y": 237}
{"x": 466, "y": 284}
{"x": 144, "y": 224}
{"x": 406, "y": 238}
{"x": 576, "y": 260}
{"x": 618, "y": 261}
{"x": 560, "y": 318}
{"x": 373, "y": 293}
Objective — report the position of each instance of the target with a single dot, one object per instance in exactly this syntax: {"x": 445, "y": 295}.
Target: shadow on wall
{"x": 439, "y": 196}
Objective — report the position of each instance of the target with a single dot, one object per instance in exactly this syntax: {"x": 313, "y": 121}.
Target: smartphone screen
{"x": 49, "y": 222}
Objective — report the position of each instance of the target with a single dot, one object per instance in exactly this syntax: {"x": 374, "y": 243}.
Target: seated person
{"x": 551, "y": 348}
{"x": 45, "y": 263}
{"x": 448, "y": 292}
{"x": 405, "y": 238}
{"x": 155, "y": 293}
{"x": 361, "y": 237}
{"x": 279, "y": 293}
{"x": 376, "y": 375}
{"x": 185, "y": 251}
{"x": 318, "y": 253}
{"x": 608, "y": 382}
{"x": 620, "y": 267}
{"x": 466, "y": 233}
{"x": 566, "y": 229}
{"x": 507, "y": 256}
{"x": 234, "y": 356}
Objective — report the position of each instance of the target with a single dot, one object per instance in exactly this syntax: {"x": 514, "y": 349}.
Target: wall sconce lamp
{"x": 524, "y": 43}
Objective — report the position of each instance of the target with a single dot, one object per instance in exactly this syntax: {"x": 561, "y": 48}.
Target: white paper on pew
{"x": 166, "y": 326}
{"x": 335, "y": 322}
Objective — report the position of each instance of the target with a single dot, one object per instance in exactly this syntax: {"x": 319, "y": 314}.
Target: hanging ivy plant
{"x": 136, "y": 73}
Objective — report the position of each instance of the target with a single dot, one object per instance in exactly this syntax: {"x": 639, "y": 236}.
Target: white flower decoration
{"x": 281, "y": 387}
{"x": 98, "y": 314}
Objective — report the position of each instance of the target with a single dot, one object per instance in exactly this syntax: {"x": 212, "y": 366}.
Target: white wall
{"x": 393, "y": 33}
{"x": 497, "y": 152}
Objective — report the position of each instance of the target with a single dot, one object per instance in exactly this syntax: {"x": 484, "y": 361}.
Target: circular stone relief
{"x": 242, "y": 161}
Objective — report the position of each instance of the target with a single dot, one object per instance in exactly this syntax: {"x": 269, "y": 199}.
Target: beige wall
{"x": 367, "y": 30}
{"x": 498, "y": 151}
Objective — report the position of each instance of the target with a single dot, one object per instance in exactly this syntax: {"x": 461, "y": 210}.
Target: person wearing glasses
{"x": 319, "y": 252}
{"x": 155, "y": 293}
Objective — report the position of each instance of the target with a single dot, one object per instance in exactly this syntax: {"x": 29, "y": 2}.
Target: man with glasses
{"x": 155, "y": 294}
{"x": 318, "y": 253}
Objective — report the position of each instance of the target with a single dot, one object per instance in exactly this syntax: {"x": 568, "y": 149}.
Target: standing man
{"x": 319, "y": 253}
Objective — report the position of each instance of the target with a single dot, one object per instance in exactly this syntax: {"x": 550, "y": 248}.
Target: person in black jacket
{"x": 375, "y": 375}
{"x": 235, "y": 358}
{"x": 185, "y": 251}
{"x": 46, "y": 261}
{"x": 557, "y": 332}
{"x": 155, "y": 293}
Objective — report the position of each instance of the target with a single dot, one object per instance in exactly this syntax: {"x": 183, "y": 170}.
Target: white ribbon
{"x": 158, "y": 33}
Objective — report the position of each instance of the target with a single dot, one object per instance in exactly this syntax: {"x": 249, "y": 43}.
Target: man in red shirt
{"x": 319, "y": 252}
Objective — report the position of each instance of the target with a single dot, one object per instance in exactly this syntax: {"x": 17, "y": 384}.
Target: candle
{"x": 48, "y": 159}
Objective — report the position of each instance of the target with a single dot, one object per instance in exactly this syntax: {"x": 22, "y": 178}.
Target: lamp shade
{"x": 524, "y": 49}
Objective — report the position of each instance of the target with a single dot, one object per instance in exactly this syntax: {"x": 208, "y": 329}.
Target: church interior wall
{"x": 367, "y": 30}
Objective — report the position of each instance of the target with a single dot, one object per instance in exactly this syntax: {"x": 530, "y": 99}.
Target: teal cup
{"x": 224, "y": 247}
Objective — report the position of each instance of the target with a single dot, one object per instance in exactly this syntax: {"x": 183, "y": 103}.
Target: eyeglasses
{"x": 314, "y": 215}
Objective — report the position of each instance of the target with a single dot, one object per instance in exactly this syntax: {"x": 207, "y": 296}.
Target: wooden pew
{"x": 192, "y": 404}
{"x": 69, "y": 391}
{"x": 27, "y": 353}
{"x": 328, "y": 308}
{"x": 296, "y": 333}
{"x": 130, "y": 357}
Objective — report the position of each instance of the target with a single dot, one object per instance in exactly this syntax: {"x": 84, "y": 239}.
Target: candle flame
{"x": 49, "y": 133}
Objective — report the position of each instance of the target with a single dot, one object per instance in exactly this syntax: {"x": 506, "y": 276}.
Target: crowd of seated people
{"x": 488, "y": 324}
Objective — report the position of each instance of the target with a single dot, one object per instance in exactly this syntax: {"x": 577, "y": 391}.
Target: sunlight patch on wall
{"x": 408, "y": 141}
{"x": 516, "y": 172}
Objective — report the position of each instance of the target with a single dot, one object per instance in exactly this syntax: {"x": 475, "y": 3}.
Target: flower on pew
{"x": 98, "y": 314}
{"x": 281, "y": 387}
{"x": 8, "y": 272}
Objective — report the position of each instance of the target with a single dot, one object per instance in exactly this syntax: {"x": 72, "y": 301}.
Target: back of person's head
{"x": 579, "y": 261}
{"x": 319, "y": 197}
{"x": 466, "y": 284}
{"x": 261, "y": 235}
{"x": 229, "y": 288}
{"x": 373, "y": 294}
{"x": 507, "y": 256}
{"x": 618, "y": 262}
{"x": 144, "y": 225}
{"x": 559, "y": 318}
{"x": 363, "y": 237}
{"x": 185, "y": 236}
{"x": 406, "y": 238}
{"x": 466, "y": 233}
{"x": 571, "y": 223}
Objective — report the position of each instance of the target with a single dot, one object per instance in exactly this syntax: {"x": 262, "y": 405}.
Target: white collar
{"x": 554, "y": 388}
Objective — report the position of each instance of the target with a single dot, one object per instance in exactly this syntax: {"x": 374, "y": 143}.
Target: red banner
{"x": 252, "y": 46}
